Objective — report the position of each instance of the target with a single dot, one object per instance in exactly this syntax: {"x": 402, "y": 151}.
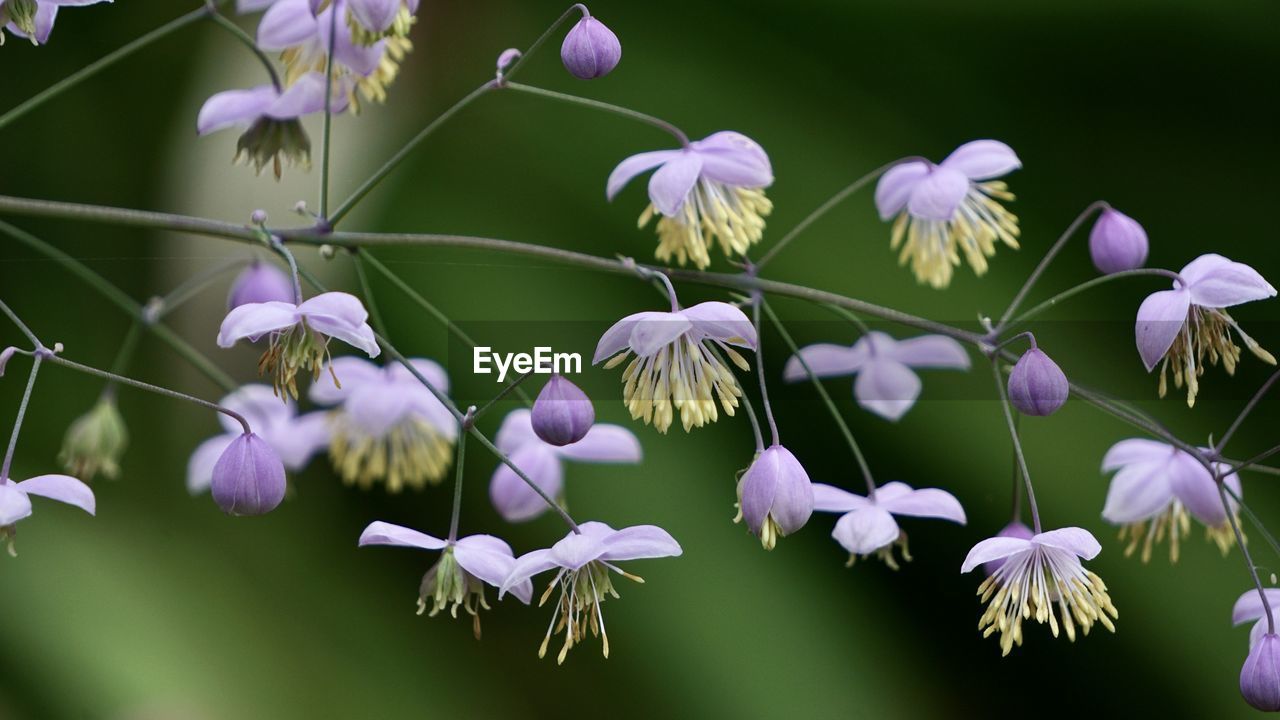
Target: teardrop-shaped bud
{"x": 775, "y": 495}
{"x": 259, "y": 283}
{"x": 590, "y": 50}
{"x": 1260, "y": 675}
{"x": 1117, "y": 243}
{"x": 562, "y": 414}
{"x": 249, "y": 478}
{"x": 1037, "y": 385}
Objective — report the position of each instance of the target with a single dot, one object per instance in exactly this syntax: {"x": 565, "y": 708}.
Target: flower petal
{"x": 1216, "y": 282}
{"x": 886, "y": 387}
{"x": 722, "y": 321}
{"x": 512, "y": 497}
{"x": 653, "y": 331}
{"x": 1249, "y": 605}
{"x": 490, "y": 559}
{"x": 829, "y": 498}
{"x": 616, "y": 338}
{"x": 285, "y": 24}
{"x": 866, "y": 530}
{"x": 930, "y": 351}
{"x": 525, "y": 567}
{"x": 297, "y": 441}
{"x": 384, "y": 533}
{"x": 516, "y": 431}
{"x": 576, "y": 550}
{"x": 938, "y": 194}
{"x": 983, "y": 159}
{"x": 1072, "y": 539}
{"x": 375, "y": 408}
{"x": 63, "y": 488}
{"x": 995, "y": 548}
{"x": 926, "y": 502}
{"x": 14, "y": 504}
{"x": 1137, "y": 493}
{"x": 259, "y": 404}
{"x": 1136, "y": 450}
{"x": 604, "y": 443}
{"x": 825, "y": 360}
{"x": 255, "y": 320}
{"x": 1160, "y": 318}
{"x": 671, "y": 184}
{"x": 734, "y": 159}
{"x": 375, "y": 15}
{"x": 633, "y": 166}
{"x": 1194, "y": 486}
{"x": 200, "y": 466}
{"x": 896, "y": 185}
{"x": 352, "y": 372}
{"x": 341, "y": 315}
{"x": 234, "y": 107}
{"x": 638, "y": 542}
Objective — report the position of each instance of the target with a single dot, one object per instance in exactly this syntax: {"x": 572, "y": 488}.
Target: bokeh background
{"x": 161, "y": 607}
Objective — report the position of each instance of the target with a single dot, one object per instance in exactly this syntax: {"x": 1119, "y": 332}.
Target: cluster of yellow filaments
{"x": 934, "y": 247}
{"x": 713, "y": 211}
{"x": 289, "y": 351}
{"x": 412, "y": 453}
{"x": 578, "y": 612}
{"x": 1175, "y": 522}
{"x": 400, "y": 27}
{"x": 22, "y": 13}
{"x": 1030, "y": 583}
{"x": 7, "y": 535}
{"x": 1205, "y": 339}
{"x": 684, "y": 375}
{"x": 447, "y": 586}
{"x": 885, "y": 554}
{"x": 303, "y": 59}
{"x": 270, "y": 141}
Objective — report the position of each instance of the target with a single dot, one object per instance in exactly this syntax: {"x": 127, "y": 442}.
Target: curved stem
{"x": 1248, "y": 408}
{"x": 189, "y": 288}
{"x": 524, "y": 57}
{"x": 1141, "y": 272}
{"x": 284, "y": 252}
{"x": 17, "y": 422}
{"x": 244, "y": 39}
{"x": 328, "y": 119}
{"x": 764, "y": 389}
{"x": 1244, "y": 550}
{"x": 857, "y": 321}
{"x": 26, "y": 331}
{"x": 1254, "y": 519}
{"x": 1252, "y": 463}
{"x": 511, "y": 387}
{"x": 659, "y": 123}
{"x": 1016, "y": 514}
{"x": 1017, "y": 444}
{"x": 457, "y": 488}
{"x": 367, "y": 290}
{"x": 123, "y": 356}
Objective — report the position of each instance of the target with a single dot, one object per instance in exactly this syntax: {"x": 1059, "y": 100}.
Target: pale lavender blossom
{"x": 885, "y": 384}
{"x": 1249, "y": 608}
{"x": 775, "y": 495}
{"x": 248, "y": 478}
{"x": 590, "y": 49}
{"x": 1015, "y": 529}
{"x": 244, "y": 7}
{"x": 260, "y": 282}
{"x": 712, "y": 189}
{"x": 543, "y": 462}
{"x": 1260, "y": 674}
{"x": 1039, "y": 573}
{"x": 867, "y": 526}
{"x": 676, "y": 365}
{"x": 375, "y": 19}
{"x": 387, "y": 426}
{"x": 15, "y": 499}
{"x": 583, "y": 562}
{"x": 950, "y": 209}
{"x": 1188, "y": 326}
{"x": 33, "y": 19}
{"x": 1037, "y": 385}
{"x": 458, "y": 578}
{"x": 299, "y": 334}
{"x": 1117, "y": 243}
{"x": 294, "y": 438}
{"x": 562, "y": 414}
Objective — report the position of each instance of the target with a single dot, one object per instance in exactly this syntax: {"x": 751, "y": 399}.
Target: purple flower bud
{"x": 562, "y": 414}
{"x": 1037, "y": 385}
{"x": 590, "y": 50}
{"x": 508, "y": 56}
{"x": 775, "y": 495}
{"x": 259, "y": 283}
{"x": 1117, "y": 242}
{"x": 1014, "y": 529}
{"x": 258, "y": 217}
{"x": 249, "y": 478}
{"x": 1260, "y": 675}
{"x": 4, "y": 357}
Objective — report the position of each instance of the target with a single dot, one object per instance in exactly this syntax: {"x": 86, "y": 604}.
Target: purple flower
{"x": 15, "y": 499}
{"x": 299, "y": 334}
{"x": 543, "y": 462}
{"x": 1157, "y": 489}
{"x": 590, "y": 50}
{"x": 950, "y": 209}
{"x": 261, "y": 282}
{"x": 1117, "y": 243}
{"x": 1038, "y": 573}
{"x": 294, "y": 438}
{"x": 458, "y": 578}
{"x": 372, "y": 20}
{"x": 1014, "y": 529}
{"x": 714, "y": 188}
{"x": 1189, "y": 324}
{"x": 272, "y": 117}
{"x": 885, "y": 384}
{"x": 775, "y": 496}
{"x": 388, "y": 425}
{"x": 1037, "y": 385}
{"x": 1249, "y": 608}
{"x": 33, "y": 19}
{"x": 248, "y": 478}
{"x": 1260, "y": 674}
{"x": 582, "y": 563}
{"x": 676, "y": 367}
{"x": 244, "y": 7}
{"x": 867, "y": 526}
{"x": 562, "y": 414}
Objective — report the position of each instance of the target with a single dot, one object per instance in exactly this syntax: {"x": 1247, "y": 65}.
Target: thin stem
{"x": 857, "y": 321}
{"x": 191, "y": 287}
{"x": 1088, "y": 285}
{"x": 751, "y": 416}
{"x": 26, "y": 331}
{"x": 1248, "y": 408}
{"x": 278, "y": 246}
{"x": 764, "y": 390}
{"x": 1017, "y": 444}
{"x": 524, "y": 57}
{"x": 123, "y": 356}
{"x": 243, "y": 38}
{"x": 827, "y": 207}
{"x": 103, "y": 63}
{"x": 367, "y": 290}
{"x": 17, "y": 422}
{"x": 1017, "y": 477}
{"x": 511, "y": 387}
{"x": 457, "y": 488}
{"x": 1244, "y": 550}
{"x": 659, "y": 123}
{"x": 1031, "y": 338}
{"x": 834, "y": 411}
{"x": 328, "y": 120}
{"x": 1046, "y": 260}
{"x": 1254, "y": 519}
{"x": 1252, "y": 463}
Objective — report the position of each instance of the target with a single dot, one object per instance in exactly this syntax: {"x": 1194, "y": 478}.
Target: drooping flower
{"x": 458, "y": 578}
{"x": 95, "y": 441}
{"x": 1249, "y": 608}
{"x": 1260, "y": 674}
{"x": 544, "y": 462}
{"x": 1117, "y": 243}
{"x": 711, "y": 190}
{"x": 388, "y": 426}
{"x": 562, "y": 414}
{"x": 1037, "y": 573}
{"x": 885, "y": 382}
{"x": 1157, "y": 489}
{"x": 867, "y": 527}
{"x": 33, "y": 19}
{"x": 583, "y": 562}
{"x": 676, "y": 366}
{"x": 590, "y": 49}
{"x": 15, "y": 499}
{"x": 1015, "y": 529}
{"x": 775, "y": 495}
{"x": 248, "y": 478}
{"x": 950, "y": 209}
{"x": 260, "y": 282}
{"x": 1188, "y": 326}
{"x": 299, "y": 335}
{"x": 294, "y": 438}
{"x": 1037, "y": 385}
{"x": 373, "y": 20}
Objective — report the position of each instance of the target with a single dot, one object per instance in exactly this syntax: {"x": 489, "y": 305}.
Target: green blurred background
{"x": 161, "y": 607}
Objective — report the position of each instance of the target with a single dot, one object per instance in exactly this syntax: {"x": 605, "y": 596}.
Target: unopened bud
{"x": 95, "y": 442}
{"x": 249, "y": 478}
{"x": 590, "y": 50}
{"x": 1117, "y": 243}
{"x": 1037, "y": 385}
{"x": 260, "y": 282}
{"x": 562, "y": 414}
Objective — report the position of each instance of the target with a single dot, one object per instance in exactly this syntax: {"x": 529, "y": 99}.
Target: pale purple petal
{"x": 234, "y": 107}
{"x": 1160, "y": 318}
{"x": 352, "y": 372}
{"x": 515, "y": 432}
{"x": 1072, "y": 539}
{"x": 341, "y": 316}
{"x": 296, "y": 442}
{"x": 722, "y": 321}
{"x": 259, "y": 405}
{"x": 1216, "y": 282}
{"x": 983, "y": 159}
{"x": 248, "y": 6}
{"x": 362, "y": 60}
{"x": 604, "y": 443}
{"x": 892, "y": 490}
{"x": 254, "y": 321}
{"x": 384, "y": 533}
{"x": 825, "y": 360}
{"x": 1137, "y": 493}
{"x": 490, "y": 559}
{"x": 655, "y": 330}
{"x": 375, "y": 15}
{"x": 431, "y": 370}
{"x": 1135, "y": 450}
{"x": 375, "y": 408}
{"x": 285, "y": 24}
{"x": 200, "y": 466}
{"x": 576, "y": 550}
{"x": 926, "y": 502}
{"x": 617, "y": 337}
{"x": 63, "y": 488}
{"x": 937, "y": 196}
{"x": 734, "y": 159}
{"x": 14, "y": 504}
{"x": 671, "y": 184}
{"x": 930, "y": 351}
{"x": 638, "y": 542}
{"x": 304, "y": 97}
{"x": 886, "y": 387}
{"x": 1194, "y": 486}
{"x": 1249, "y": 605}
{"x": 829, "y": 498}
{"x": 995, "y": 548}
{"x": 864, "y": 531}
{"x": 512, "y": 497}
{"x": 896, "y": 185}
{"x": 525, "y": 567}
{"x": 633, "y": 166}
{"x": 596, "y": 529}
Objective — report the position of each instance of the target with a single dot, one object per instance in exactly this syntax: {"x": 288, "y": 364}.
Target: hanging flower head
{"x": 676, "y": 366}
{"x": 33, "y": 19}
{"x": 582, "y": 562}
{"x": 867, "y": 527}
{"x": 1249, "y": 608}
{"x": 1036, "y": 574}
{"x": 712, "y": 189}
{"x": 388, "y": 426}
{"x": 1157, "y": 489}
{"x": 95, "y": 441}
{"x": 950, "y": 209}
{"x": 886, "y": 384}
{"x": 15, "y": 499}
{"x": 1188, "y": 326}
{"x": 458, "y": 578}
{"x": 775, "y": 496}
{"x": 299, "y": 335}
